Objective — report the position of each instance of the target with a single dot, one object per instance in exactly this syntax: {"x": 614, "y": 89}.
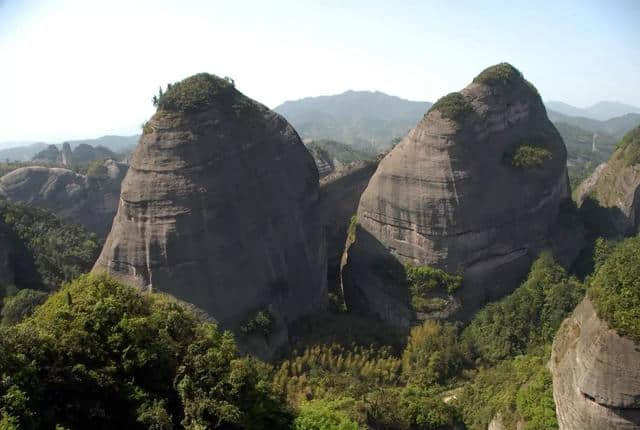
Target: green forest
{"x": 97, "y": 353}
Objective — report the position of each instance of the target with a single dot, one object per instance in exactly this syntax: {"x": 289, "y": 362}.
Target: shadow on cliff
{"x": 609, "y": 223}
{"x": 374, "y": 281}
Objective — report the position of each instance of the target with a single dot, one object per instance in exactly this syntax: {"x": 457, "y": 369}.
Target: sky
{"x": 82, "y": 69}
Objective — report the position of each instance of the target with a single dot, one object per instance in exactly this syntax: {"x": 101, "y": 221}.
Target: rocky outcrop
{"x": 6, "y": 256}
{"x": 220, "y": 209}
{"x": 339, "y": 196}
{"x": 596, "y": 374}
{"x": 615, "y": 185}
{"x": 66, "y": 155}
{"x": 90, "y": 200}
{"x": 474, "y": 189}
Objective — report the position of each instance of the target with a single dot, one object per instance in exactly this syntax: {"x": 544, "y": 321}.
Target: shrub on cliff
{"x": 98, "y": 354}
{"x": 193, "y": 93}
{"x": 453, "y": 106}
{"x": 615, "y": 289}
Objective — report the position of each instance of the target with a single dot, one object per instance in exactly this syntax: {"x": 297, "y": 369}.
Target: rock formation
{"x": 474, "y": 189}
{"x": 220, "y": 209}
{"x": 6, "y": 256}
{"x": 596, "y": 374}
{"x": 339, "y": 196}
{"x": 90, "y": 200}
{"x": 616, "y": 185}
{"x": 66, "y": 155}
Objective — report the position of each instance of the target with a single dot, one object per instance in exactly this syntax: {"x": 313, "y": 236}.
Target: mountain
{"x": 366, "y": 120}
{"x": 25, "y": 152}
{"x": 432, "y": 204}
{"x": 596, "y": 360}
{"x": 616, "y": 127}
{"x": 330, "y": 155}
{"x": 600, "y": 111}
{"x": 220, "y": 209}
{"x": 21, "y": 153}
{"x": 90, "y": 200}
{"x": 615, "y": 186}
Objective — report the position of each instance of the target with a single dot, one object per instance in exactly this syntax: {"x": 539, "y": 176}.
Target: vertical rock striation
{"x": 220, "y": 209}
{"x": 474, "y": 189}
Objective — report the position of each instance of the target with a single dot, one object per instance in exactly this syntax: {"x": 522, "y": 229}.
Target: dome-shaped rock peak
{"x": 219, "y": 209}
{"x": 473, "y": 191}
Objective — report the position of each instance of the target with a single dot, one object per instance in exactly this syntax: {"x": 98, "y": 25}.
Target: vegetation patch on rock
{"x": 528, "y": 156}
{"x": 615, "y": 289}
{"x": 453, "y": 106}
{"x": 630, "y": 147}
{"x": 260, "y": 323}
{"x": 423, "y": 280}
{"x": 194, "y": 93}
{"x": 503, "y": 74}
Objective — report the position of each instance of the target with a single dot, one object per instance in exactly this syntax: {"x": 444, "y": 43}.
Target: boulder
{"x": 474, "y": 189}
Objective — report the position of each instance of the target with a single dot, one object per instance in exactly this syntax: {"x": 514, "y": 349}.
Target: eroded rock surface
{"x": 455, "y": 195}
{"x": 220, "y": 209}
{"x": 596, "y": 374}
{"x": 90, "y": 200}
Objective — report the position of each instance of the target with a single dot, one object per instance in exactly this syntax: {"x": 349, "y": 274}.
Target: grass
{"x": 453, "y": 106}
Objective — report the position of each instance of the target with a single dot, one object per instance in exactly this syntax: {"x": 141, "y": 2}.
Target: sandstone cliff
{"x": 474, "y": 189}
{"x": 90, "y": 200}
{"x": 616, "y": 185}
{"x": 339, "y": 196}
{"x": 596, "y": 374}
{"x": 220, "y": 209}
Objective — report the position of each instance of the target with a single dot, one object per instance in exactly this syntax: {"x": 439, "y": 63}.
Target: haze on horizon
{"x": 79, "y": 69}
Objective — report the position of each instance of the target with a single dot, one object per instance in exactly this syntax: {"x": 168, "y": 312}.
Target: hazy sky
{"x": 75, "y": 69}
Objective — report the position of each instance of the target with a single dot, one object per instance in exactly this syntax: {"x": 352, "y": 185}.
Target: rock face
{"x": 339, "y": 196}
{"x": 596, "y": 374}
{"x": 616, "y": 185}
{"x": 220, "y": 209}
{"x": 6, "y": 256}
{"x": 474, "y": 189}
{"x": 90, "y": 200}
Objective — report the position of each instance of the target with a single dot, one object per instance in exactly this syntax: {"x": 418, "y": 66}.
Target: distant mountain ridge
{"x": 601, "y": 111}
{"x": 366, "y": 120}
{"x": 25, "y": 152}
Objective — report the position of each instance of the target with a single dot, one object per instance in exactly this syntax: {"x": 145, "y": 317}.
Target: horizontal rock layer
{"x": 220, "y": 209}
{"x": 449, "y": 196}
